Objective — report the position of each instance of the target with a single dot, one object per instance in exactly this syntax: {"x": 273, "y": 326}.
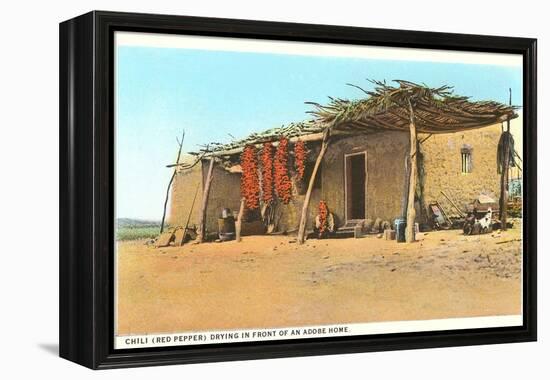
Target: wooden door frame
{"x": 346, "y": 155}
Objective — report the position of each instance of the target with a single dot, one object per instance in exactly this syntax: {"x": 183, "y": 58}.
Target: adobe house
{"x": 385, "y": 156}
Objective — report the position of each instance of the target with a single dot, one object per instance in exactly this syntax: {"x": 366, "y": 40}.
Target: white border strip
{"x": 319, "y": 331}
{"x": 312, "y": 49}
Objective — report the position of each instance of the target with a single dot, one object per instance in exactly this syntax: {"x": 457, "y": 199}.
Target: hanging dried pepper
{"x": 300, "y": 158}
{"x": 283, "y": 186}
{"x": 250, "y": 184}
{"x": 323, "y": 214}
{"x": 267, "y": 172}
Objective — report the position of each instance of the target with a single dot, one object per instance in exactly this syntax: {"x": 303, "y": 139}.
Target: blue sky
{"x": 212, "y": 94}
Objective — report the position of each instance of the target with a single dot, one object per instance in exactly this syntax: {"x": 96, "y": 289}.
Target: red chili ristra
{"x": 300, "y": 158}
{"x": 323, "y": 214}
{"x": 283, "y": 186}
{"x": 250, "y": 184}
{"x": 267, "y": 172}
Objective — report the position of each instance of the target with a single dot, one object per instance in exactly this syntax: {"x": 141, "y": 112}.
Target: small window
{"x": 466, "y": 153}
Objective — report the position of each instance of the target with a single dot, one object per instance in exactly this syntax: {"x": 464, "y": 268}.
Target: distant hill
{"x": 129, "y": 222}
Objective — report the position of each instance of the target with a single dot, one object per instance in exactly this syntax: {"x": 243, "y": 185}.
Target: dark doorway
{"x": 355, "y": 186}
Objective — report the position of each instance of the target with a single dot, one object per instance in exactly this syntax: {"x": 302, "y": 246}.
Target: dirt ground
{"x": 270, "y": 281}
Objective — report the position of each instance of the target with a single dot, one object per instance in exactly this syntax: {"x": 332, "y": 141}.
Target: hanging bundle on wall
{"x": 324, "y": 221}
{"x": 250, "y": 184}
{"x": 283, "y": 186}
{"x": 506, "y": 140}
{"x": 323, "y": 214}
{"x": 300, "y": 158}
{"x": 267, "y": 173}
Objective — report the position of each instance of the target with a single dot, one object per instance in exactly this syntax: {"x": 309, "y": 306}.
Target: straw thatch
{"x": 290, "y": 131}
{"x": 436, "y": 110}
{"x": 386, "y": 108}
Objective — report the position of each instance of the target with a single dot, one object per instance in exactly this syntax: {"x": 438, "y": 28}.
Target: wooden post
{"x": 405, "y": 196}
{"x": 170, "y": 182}
{"x": 238, "y": 225}
{"x": 303, "y": 218}
{"x": 411, "y": 212}
{"x": 504, "y": 182}
{"x": 201, "y": 237}
{"x": 504, "y": 175}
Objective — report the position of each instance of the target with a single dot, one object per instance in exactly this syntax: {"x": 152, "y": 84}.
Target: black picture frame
{"x": 86, "y": 188}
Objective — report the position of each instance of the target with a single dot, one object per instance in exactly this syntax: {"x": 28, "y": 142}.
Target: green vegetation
{"x": 135, "y": 233}
{"x": 131, "y": 229}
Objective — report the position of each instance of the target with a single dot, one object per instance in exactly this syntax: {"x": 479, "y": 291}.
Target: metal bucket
{"x": 400, "y": 224}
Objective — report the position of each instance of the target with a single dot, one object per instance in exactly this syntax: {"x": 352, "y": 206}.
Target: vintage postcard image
{"x": 272, "y": 190}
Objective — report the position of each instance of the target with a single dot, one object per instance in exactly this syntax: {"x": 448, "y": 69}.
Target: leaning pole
{"x": 411, "y": 213}
{"x": 303, "y": 217}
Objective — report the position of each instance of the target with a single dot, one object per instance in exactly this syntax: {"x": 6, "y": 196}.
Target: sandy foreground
{"x": 270, "y": 281}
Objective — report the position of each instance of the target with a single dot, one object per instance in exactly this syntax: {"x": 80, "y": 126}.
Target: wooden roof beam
{"x": 429, "y": 123}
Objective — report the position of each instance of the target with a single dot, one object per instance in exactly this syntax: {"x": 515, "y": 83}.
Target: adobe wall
{"x": 386, "y": 154}
{"x": 224, "y": 192}
{"x": 181, "y": 197}
{"x": 290, "y": 214}
{"x": 443, "y": 166}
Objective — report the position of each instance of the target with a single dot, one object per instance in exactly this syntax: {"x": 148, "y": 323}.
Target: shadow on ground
{"x": 51, "y": 348}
